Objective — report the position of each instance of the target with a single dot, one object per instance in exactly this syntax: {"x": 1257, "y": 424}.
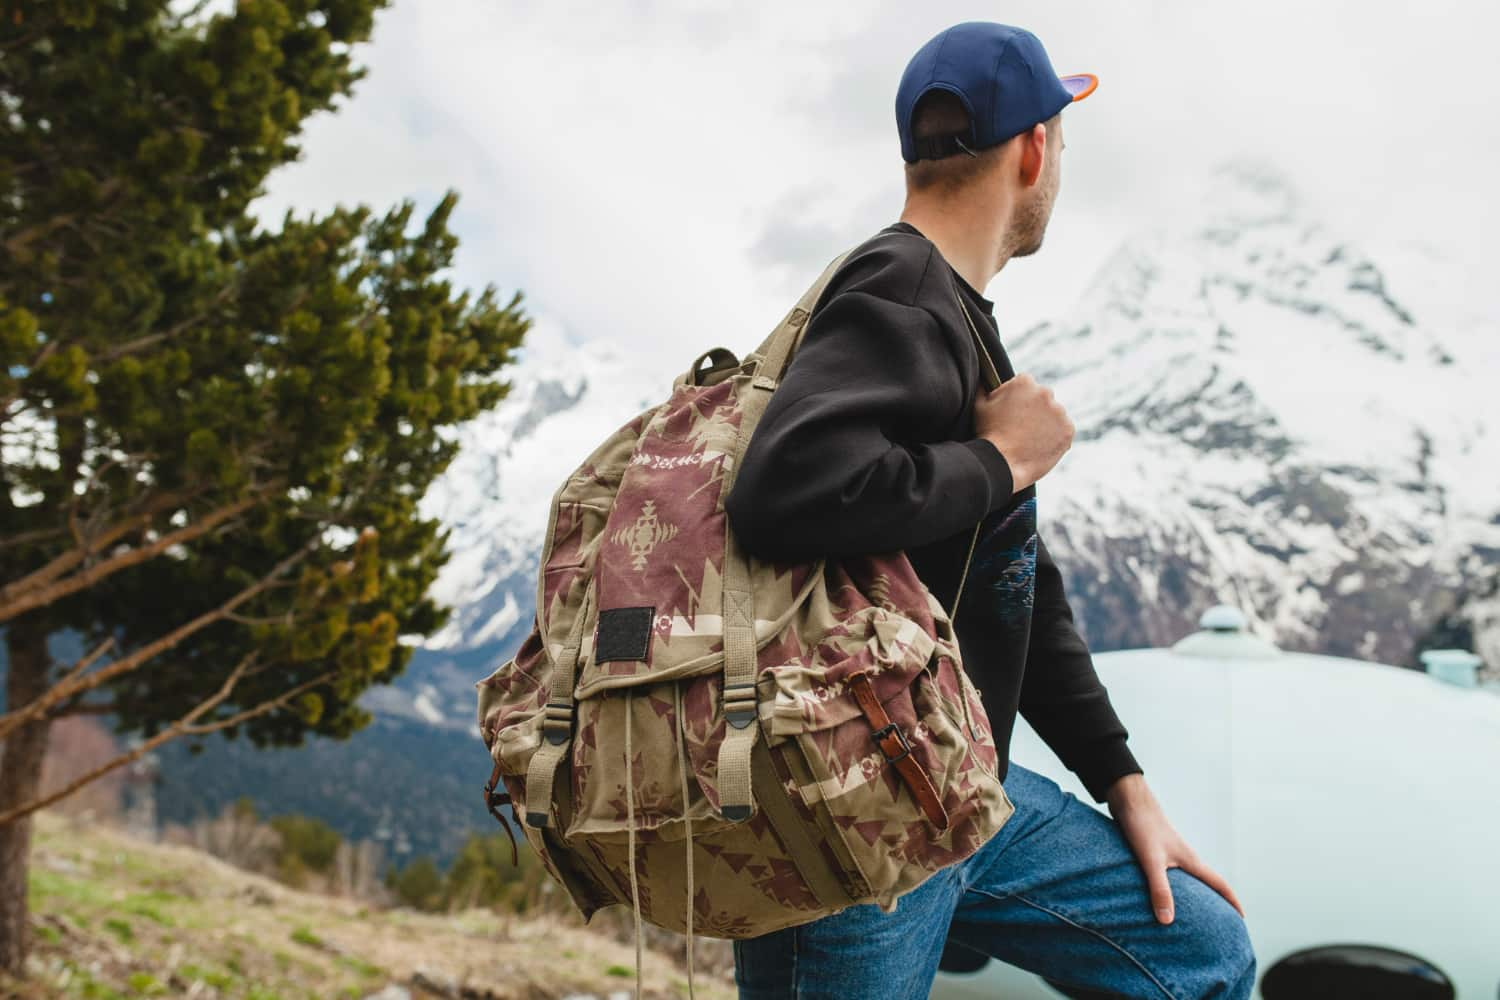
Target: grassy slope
{"x": 120, "y": 917}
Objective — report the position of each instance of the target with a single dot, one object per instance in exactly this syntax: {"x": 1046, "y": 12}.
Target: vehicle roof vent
{"x": 1223, "y": 634}
{"x": 1223, "y": 618}
{"x": 1455, "y": 666}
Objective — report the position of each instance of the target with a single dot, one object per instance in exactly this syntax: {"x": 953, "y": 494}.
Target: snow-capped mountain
{"x": 566, "y": 397}
{"x": 1266, "y": 417}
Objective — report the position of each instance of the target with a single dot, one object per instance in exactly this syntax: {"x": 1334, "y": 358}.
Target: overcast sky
{"x": 672, "y": 175}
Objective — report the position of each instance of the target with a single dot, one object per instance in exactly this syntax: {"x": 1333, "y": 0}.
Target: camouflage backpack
{"x": 726, "y": 744}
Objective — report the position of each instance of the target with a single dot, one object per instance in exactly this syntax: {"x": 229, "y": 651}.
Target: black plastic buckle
{"x": 557, "y": 722}
{"x": 885, "y": 731}
{"x": 739, "y": 704}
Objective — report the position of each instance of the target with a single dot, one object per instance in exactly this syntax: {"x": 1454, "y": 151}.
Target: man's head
{"x": 1023, "y": 172}
{"x": 979, "y": 115}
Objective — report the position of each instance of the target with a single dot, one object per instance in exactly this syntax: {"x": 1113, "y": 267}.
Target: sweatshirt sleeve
{"x": 849, "y": 455}
{"x": 1062, "y": 697}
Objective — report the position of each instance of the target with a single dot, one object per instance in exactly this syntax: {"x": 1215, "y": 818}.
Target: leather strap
{"x": 492, "y": 799}
{"x": 896, "y": 750}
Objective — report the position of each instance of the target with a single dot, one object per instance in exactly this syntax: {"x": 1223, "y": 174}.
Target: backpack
{"x": 727, "y": 744}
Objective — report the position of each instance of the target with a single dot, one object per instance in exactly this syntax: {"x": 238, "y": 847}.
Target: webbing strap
{"x": 782, "y": 342}
{"x": 739, "y": 688}
{"x": 800, "y": 846}
{"x": 557, "y": 723}
{"x": 735, "y": 792}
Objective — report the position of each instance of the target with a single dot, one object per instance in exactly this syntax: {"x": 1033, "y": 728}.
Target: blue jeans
{"x": 1056, "y": 891}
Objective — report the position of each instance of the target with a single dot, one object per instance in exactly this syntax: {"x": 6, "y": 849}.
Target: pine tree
{"x": 215, "y": 435}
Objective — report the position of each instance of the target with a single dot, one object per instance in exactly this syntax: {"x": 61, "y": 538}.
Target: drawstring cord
{"x": 687, "y": 816}
{"x": 635, "y": 888}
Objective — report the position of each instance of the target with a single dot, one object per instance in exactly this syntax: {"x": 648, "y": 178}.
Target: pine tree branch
{"x": 147, "y": 340}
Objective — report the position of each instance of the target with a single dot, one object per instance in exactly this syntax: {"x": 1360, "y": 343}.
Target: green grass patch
{"x": 44, "y": 885}
{"x": 224, "y": 982}
{"x": 83, "y": 984}
{"x": 304, "y": 935}
{"x": 621, "y": 971}
{"x": 147, "y": 905}
{"x": 145, "y": 984}
{"x": 120, "y": 929}
{"x": 359, "y": 966}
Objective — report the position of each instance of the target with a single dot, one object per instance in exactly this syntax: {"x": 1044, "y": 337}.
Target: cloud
{"x": 672, "y": 175}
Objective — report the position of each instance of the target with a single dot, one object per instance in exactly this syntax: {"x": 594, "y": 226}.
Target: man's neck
{"x": 977, "y": 252}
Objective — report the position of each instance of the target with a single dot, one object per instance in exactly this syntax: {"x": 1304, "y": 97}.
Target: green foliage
{"x": 307, "y": 845}
{"x": 418, "y": 885}
{"x": 272, "y": 401}
{"x": 482, "y": 875}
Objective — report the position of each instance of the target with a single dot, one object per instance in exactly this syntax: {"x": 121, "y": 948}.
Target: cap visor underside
{"x": 1080, "y": 85}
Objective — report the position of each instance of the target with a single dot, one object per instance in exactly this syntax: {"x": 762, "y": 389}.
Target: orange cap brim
{"x": 1080, "y": 85}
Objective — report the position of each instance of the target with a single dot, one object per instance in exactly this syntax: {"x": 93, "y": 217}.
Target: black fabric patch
{"x": 623, "y": 634}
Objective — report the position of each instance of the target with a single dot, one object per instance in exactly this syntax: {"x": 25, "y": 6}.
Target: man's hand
{"x": 1026, "y": 424}
{"x": 1156, "y": 845}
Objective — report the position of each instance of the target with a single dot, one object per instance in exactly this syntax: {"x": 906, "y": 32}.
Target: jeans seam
{"x": 1083, "y": 927}
{"x": 796, "y": 983}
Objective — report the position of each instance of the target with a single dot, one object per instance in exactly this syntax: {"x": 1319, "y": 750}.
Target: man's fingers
{"x": 1214, "y": 880}
{"x": 1161, "y": 892}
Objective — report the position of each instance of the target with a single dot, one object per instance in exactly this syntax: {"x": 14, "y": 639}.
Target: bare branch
{"x": 153, "y": 506}
{"x": 83, "y": 708}
{"x": 27, "y": 537}
{"x": 67, "y": 689}
{"x": 266, "y": 706}
{"x": 281, "y": 619}
{"x": 187, "y": 725}
{"x": 26, "y": 594}
{"x": 78, "y": 669}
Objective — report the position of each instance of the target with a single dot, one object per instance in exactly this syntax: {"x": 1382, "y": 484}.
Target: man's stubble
{"x": 1030, "y": 223}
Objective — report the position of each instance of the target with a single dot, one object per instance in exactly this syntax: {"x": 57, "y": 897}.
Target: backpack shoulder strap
{"x": 778, "y": 347}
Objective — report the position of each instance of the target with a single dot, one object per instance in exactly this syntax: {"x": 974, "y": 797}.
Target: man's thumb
{"x": 1161, "y": 896}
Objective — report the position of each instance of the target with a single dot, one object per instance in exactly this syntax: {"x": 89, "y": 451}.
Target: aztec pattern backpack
{"x": 726, "y": 744}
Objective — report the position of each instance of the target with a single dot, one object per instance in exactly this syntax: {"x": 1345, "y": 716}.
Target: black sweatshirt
{"x": 868, "y": 445}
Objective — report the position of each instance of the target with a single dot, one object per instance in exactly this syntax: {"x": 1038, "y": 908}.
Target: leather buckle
{"x": 891, "y": 729}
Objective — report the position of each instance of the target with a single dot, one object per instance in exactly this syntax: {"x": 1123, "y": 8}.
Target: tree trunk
{"x": 20, "y": 778}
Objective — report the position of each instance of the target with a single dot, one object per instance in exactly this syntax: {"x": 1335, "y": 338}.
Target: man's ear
{"x": 1033, "y": 154}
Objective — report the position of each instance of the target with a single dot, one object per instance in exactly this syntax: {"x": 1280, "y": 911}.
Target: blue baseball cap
{"x": 1000, "y": 73}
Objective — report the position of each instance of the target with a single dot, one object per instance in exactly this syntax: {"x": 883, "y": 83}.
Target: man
{"x": 880, "y": 437}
